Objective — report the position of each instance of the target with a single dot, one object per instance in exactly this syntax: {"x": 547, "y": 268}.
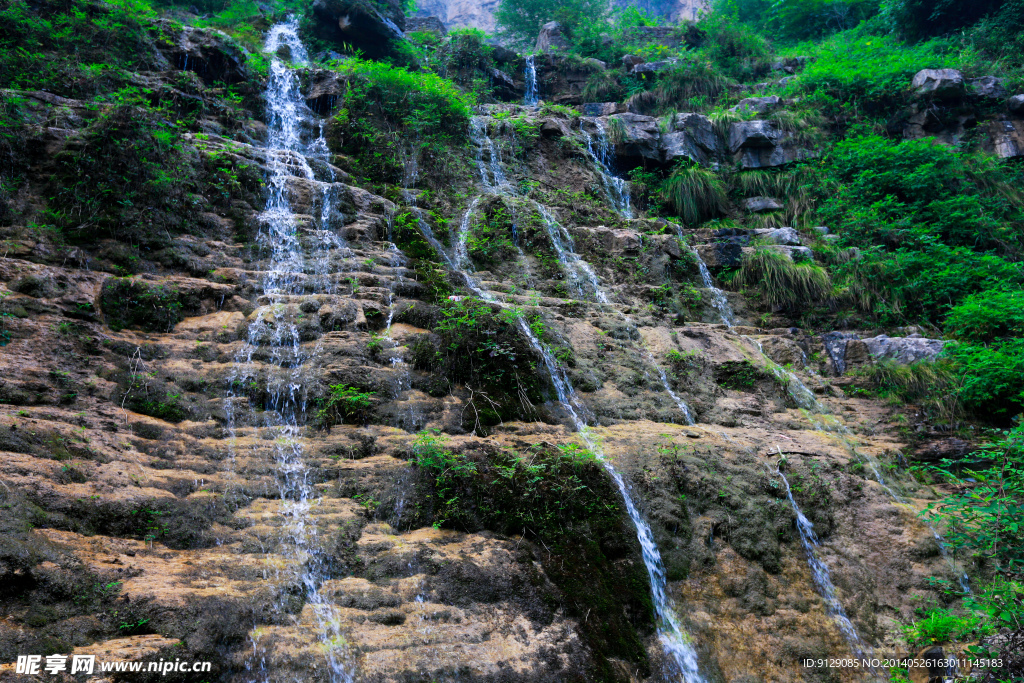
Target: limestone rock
{"x": 551, "y": 39}
{"x": 720, "y": 255}
{"x": 428, "y": 24}
{"x": 692, "y": 136}
{"x": 654, "y": 67}
{"x": 752, "y": 135}
{"x": 597, "y": 109}
{"x": 757, "y": 105}
{"x": 1006, "y": 138}
{"x": 210, "y": 54}
{"x": 638, "y": 135}
{"x": 904, "y": 350}
{"x": 988, "y": 87}
{"x": 365, "y": 25}
{"x": 760, "y": 204}
{"x": 325, "y": 89}
{"x": 778, "y": 235}
{"x": 794, "y": 253}
{"x": 940, "y": 83}
{"x": 1016, "y": 104}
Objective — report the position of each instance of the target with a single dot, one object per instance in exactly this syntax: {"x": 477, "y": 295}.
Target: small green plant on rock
{"x": 343, "y": 402}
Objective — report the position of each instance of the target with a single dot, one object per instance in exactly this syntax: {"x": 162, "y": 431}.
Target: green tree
{"x": 521, "y": 20}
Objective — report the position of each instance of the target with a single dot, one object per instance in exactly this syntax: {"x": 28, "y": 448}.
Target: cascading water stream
{"x": 531, "y": 99}
{"x": 674, "y": 639}
{"x": 290, "y": 271}
{"x": 821, "y": 576}
{"x": 615, "y": 187}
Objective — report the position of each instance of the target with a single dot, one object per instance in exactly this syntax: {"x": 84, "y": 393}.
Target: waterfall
{"x": 819, "y": 573}
{"x": 531, "y": 99}
{"x": 677, "y": 643}
{"x": 718, "y": 299}
{"x": 291, "y": 270}
{"x": 616, "y": 189}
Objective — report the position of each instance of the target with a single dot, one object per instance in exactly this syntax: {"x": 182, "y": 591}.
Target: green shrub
{"x": 695, "y": 194}
{"x": 858, "y": 72}
{"x": 782, "y": 283}
{"x": 938, "y": 626}
{"x": 127, "y": 302}
{"x": 988, "y": 315}
{"x": 985, "y": 518}
{"x": 343, "y": 402}
{"x": 484, "y": 349}
{"x": 130, "y": 177}
{"x": 992, "y": 377}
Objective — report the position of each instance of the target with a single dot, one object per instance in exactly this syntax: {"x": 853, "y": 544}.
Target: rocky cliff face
{"x": 480, "y": 13}
{"x": 312, "y": 432}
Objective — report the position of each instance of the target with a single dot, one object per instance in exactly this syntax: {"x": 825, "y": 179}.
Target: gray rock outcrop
{"x": 939, "y": 83}
{"x": 551, "y": 38}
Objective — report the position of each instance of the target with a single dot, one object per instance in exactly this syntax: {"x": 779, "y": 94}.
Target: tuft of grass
{"x": 933, "y": 385}
{"x": 696, "y": 194}
{"x": 781, "y": 282}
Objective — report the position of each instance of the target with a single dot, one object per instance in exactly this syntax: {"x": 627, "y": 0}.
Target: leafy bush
{"x": 342, "y": 402}
{"x": 790, "y": 20}
{"x": 940, "y": 626}
{"x": 858, "y": 72}
{"x": 106, "y": 41}
{"x": 386, "y": 107}
{"x": 985, "y": 518}
{"x": 132, "y": 178}
{"x": 988, "y": 315}
{"x": 485, "y": 350}
{"x": 992, "y": 377}
{"x": 917, "y": 19}
{"x": 782, "y": 283}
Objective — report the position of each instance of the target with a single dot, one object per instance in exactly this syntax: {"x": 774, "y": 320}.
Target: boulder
{"x": 325, "y": 90}
{"x": 691, "y": 136}
{"x": 551, "y": 38}
{"x": 790, "y": 65}
{"x": 504, "y": 86}
{"x": 752, "y": 134}
{"x": 725, "y": 255}
{"x": 1016, "y": 104}
{"x": 821, "y": 230}
{"x": 794, "y": 253}
{"x": 630, "y": 62}
{"x": 364, "y": 24}
{"x": 778, "y": 235}
{"x": 835, "y": 346}
{"x": 654, "y": 67}
{"x": 903, "y": 350}
{"x": 635, "y": 135}
{"x": 596, "y": 109}
{"x": 757, "y": 105}
{"x": 210, "y": 54}
{"x": 759, "y": 204}
{"x": 939, "y": 83}
{"x": 425, "y": 24}
{"x": 988, "y": 87}
{"x": 1006, "y": 139}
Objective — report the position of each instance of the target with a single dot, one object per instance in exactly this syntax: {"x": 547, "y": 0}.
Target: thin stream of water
{"x": 292, "y": 269}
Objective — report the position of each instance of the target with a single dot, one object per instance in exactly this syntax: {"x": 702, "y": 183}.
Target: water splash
{"x": 531, "y": 99}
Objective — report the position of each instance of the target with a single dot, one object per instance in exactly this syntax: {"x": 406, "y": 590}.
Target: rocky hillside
{"x": 324, "y": 367}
